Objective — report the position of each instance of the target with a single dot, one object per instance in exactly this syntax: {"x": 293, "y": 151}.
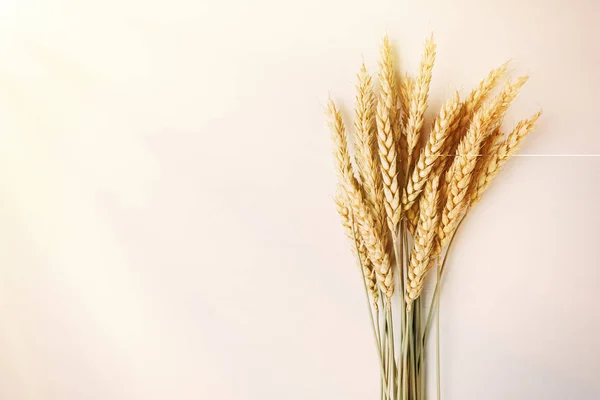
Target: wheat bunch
{"x": 422, "y": 188}
{"x": 367, "y": 227}
{"x": 420, "y": 98}
{"x": 357, "y": 244}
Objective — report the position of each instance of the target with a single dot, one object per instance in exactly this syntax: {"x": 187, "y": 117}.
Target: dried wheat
{"x": 389, "y": 163}
{"x": 424, "y": 240}
{"x": 365, "y": 140}
{"x": 505, "y": 98}
{"x": 419, "y": 99}
{"x": 387, "y": 135}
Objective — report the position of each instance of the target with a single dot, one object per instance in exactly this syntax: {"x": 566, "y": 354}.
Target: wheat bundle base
{"x": 404, "y": 193}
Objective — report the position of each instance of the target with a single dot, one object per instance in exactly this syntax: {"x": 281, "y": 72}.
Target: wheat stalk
{"x": 367, "y": 226}
{"x": 419, "y": 99}
{"x": 424, "y": 240}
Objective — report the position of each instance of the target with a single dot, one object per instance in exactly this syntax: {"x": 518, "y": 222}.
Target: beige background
{"x": 167, "y": 229}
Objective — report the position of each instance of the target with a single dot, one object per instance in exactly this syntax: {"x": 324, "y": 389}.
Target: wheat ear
{"x": 386, "y": 117}
{"x": 367, "y": 226}
{"x": 424, "y": 241}
{"x": 501, "y": 155}
{"x": 460, "y": 173}
{"x": 442, "y": 127}
{"x": 357, "y": 244}
{"x": 388, "y": 86}
{"x": 420, "y": 98}
{"x": 389, "y": 163}
{"x": 365, "y": 140}
{"x": 488, "y": 147}
{"x": 507, "y": 96}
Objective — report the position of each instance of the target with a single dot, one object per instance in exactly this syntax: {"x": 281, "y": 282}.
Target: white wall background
{"x": 166, "y": 223}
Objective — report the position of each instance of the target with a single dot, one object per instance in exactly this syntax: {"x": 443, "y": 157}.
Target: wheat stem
{"x": 390, "y": 360}
{"x": 437, "y": 338}
{"x": 375, "y": 333}
{"x": 411, "y": 351}
{"x": 436, "y": 292}
{"x": 386, "y": 354}
{"x": 394, "y": 369}
{"x": 418, "y": 349}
